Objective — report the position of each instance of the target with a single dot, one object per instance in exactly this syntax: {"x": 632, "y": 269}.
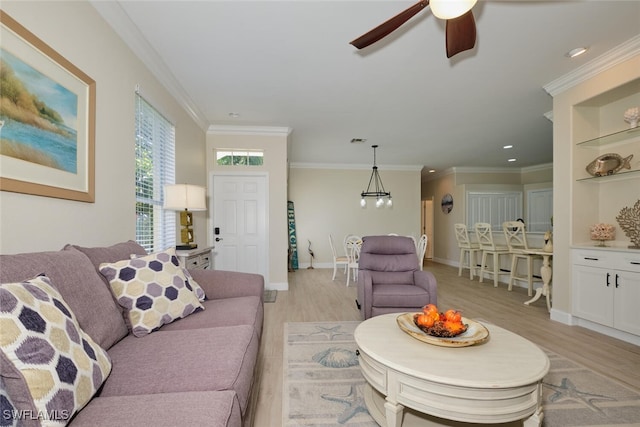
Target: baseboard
{"x": 274, "y": 286}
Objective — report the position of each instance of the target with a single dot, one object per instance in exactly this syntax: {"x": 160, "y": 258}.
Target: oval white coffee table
{"x": 498, "y": 381}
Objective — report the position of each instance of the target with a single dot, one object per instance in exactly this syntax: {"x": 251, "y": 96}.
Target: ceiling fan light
{"x": 449, "y": 9}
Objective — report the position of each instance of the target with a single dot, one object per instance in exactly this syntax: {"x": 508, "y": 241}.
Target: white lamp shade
{"x": 178, "y": 197}
{"x": 449, "y": 9}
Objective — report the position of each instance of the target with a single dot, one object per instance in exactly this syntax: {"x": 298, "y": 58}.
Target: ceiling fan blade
{"x": 388, "y": 26}
{"x": 460, "y": 34}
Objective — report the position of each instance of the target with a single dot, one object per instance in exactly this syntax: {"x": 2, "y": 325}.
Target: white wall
{"x": 76, "y": 31}
{"x": 457, "y": 181}
{"x": 274, "y": 143}
{"x": 327, "y": 201}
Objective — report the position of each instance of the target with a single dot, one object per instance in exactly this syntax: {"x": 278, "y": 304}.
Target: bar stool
{"x": 467, "y": 247}
{"x": 514, "y": 233}
{"x": 488, "y": 247}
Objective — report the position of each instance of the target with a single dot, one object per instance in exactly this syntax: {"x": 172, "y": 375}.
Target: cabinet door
{"x": 626, "y": 300}
{"x": 592, "y": 296}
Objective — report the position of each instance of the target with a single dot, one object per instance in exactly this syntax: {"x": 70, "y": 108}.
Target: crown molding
{"x": 537, "y": 168}
{"x": 354, "y": 166}
{"x": 472, "y": 169}
{"x": 249, "y": 130}
{"x": 123, "y": 26}
{"x": 609, "y": 59}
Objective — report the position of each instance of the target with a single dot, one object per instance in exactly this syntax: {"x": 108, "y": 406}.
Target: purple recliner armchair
{"x": 390, "y": 279}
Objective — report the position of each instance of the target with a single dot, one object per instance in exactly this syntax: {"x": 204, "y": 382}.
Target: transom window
{"x": 239, "y": 157}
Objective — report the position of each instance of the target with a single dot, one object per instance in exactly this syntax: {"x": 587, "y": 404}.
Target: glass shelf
{"x": 612, "y": 138}
{"x": 615, "y": 177}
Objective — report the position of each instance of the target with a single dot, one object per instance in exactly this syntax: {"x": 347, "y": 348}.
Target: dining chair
{"x": 468, "y": 250}
{"x": 489, "y": 247}
{"x": 421, "y": 249}
{"x": 338, "y": 260}
{"x": 516, "y": 237}
{"x": 353, "y": 256}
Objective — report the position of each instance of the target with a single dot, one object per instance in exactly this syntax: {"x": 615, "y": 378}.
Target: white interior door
{"x": 239, "y": 222}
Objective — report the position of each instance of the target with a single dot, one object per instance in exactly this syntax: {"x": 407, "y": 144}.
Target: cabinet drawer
{"x": 605, "y": 259}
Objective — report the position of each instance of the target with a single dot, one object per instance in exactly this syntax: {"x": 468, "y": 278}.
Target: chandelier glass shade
{"x": 375, "y": 189}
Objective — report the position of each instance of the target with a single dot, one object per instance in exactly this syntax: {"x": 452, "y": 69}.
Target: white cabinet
{"x": 196, "y": 258}
{"x": 606, "y": 288}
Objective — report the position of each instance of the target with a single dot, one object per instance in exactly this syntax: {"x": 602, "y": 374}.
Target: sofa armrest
{"x": 427, "y": 281}
{"x": 218, "y": 284}
{"x": 365, "y": 293}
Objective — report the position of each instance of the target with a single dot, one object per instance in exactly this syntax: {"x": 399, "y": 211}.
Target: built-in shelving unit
{"x": 603, "y": 281}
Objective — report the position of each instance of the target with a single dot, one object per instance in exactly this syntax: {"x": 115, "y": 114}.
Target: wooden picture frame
{"x": 48, "y": 150}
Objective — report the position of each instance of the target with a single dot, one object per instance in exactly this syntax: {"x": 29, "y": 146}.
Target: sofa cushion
{"x": 117, "y": 252}
{"x": 206, "y": 408}
{"x": 397, "y": 296}
{"x": 153, "y": 289}
{"x": 225, "y": 312}
{"x": 81, "y": 286}
{"x": 220, "y": 358}
{"x": 46, "y": 357}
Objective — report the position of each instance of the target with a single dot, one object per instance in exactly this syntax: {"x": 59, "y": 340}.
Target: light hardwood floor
{"x": 313, "y": 297}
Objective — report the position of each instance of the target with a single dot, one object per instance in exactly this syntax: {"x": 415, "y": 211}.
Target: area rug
{"x": 270, "y": 295}
{"x": 323, "y": 385}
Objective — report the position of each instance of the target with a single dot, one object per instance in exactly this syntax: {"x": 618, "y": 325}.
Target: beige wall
{"x": 576, "y": 207}
{"x": 274, "y": 142}
{"x": 327, "y": 201}
{"x": 76, "y": 31}
{"x": 459, "y": 181}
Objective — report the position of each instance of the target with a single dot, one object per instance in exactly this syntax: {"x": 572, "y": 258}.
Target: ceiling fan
{"x": 460, "y": 27}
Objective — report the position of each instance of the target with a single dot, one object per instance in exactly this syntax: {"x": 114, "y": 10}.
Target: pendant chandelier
{"x": 375, "y": 189}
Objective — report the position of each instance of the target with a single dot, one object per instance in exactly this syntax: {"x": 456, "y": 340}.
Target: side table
{"x": 199, "y": 258}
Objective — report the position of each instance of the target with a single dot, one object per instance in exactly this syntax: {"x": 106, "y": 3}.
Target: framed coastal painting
{"x": 47, "y": 119}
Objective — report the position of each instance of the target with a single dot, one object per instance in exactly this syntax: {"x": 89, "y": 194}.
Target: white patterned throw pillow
{"x": 190, "y": 281}
{"x": 153, "y": 289}
{"x": 50, "y": 366}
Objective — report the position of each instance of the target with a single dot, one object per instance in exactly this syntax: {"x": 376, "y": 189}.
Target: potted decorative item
{"x": 602, "y": 233}
{"x": 631, "y": 116}
{"x": 629, "y": 221}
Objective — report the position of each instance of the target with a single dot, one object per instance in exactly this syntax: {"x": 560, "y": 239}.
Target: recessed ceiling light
{"x": 576, "y": 52}
{"x": 432, "y": 170}
{"x": 506, "y": 147}
{"x": 511, "y": 160}
{"x": 358, "y": 140}
{"x": 234, "y": 115}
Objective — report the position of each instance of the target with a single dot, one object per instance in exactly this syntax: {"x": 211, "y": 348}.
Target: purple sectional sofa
{"x": 200, "y": 370}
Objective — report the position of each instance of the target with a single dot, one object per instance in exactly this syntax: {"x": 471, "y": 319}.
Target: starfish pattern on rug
{"x": 568, "y": 391}
{"x": 330, "y": 333}
{"x": 353, "y": 401}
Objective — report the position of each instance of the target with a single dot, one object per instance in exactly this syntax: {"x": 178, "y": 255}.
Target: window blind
{"x": 155, "y": 167}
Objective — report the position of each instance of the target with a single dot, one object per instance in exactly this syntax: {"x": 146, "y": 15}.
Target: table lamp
{"x": 185, "y": 198}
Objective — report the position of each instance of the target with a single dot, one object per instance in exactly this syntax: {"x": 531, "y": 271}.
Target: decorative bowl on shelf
{"x": 603, "y": 233}
{"x": 608, "y": 164}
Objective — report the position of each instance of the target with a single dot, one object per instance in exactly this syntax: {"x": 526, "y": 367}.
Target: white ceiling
{"x": 289, "y": 63}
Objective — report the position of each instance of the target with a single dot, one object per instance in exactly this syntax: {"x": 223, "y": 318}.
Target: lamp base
{"x": 186, "y": 247}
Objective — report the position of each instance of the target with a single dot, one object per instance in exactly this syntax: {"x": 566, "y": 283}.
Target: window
{"x": 155, "y": 167}
{"x": 539, "y": 210}
{"x": 494, "y": 208}
{"x": 239, "y": 158}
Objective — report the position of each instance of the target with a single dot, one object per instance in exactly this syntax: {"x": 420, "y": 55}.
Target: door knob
{"x": 218, "y": 239}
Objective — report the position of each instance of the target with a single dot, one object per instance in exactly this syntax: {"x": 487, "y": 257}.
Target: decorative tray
{"x": 476, "y": 333}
